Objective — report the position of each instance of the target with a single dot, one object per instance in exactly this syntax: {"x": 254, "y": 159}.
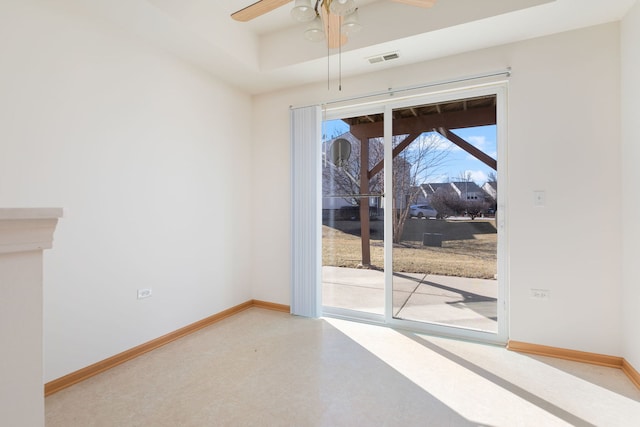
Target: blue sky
{"x": 483, "y": 138}
{"x": 458, "y": 162}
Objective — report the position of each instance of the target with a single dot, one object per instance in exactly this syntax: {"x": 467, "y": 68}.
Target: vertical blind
{"x": 306, "y": 133}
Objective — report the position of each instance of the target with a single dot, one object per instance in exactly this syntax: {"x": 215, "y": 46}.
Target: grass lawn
{"x": 468, "y": 248}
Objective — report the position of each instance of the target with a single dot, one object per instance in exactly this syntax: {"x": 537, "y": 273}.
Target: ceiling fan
{"x": 333, "y": 19}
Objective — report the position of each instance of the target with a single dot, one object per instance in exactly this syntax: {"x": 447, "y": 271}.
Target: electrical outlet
{"x": 144, "y": 293}
{"x": 540, "y": 294}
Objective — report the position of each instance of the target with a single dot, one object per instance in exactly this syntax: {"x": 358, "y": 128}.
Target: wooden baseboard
{"x": 563, "y": 353}
{"x": 92, "y": 370}
{"x": 578, "y": 356}
{"x": 272, "y": 306}
{"x": 633, "y": 375}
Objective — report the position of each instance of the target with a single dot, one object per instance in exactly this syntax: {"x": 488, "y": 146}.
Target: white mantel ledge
{"x": 27, "y": 229}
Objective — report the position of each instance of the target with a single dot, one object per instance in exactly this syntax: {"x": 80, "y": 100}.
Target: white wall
{"x": 563, "y": 130}
{"x": 630, "y": 34}
{"x": 150, "y": 159}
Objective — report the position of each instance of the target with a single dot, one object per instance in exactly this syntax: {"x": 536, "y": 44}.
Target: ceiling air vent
{"x": 384, "y": 57}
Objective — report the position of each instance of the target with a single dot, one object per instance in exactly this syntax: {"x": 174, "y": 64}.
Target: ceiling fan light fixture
{"x": 315, "y": 30}
{"x": 351, "y": 23}
{"x": 342, "y": 7}
{"x": 303, "y": 11}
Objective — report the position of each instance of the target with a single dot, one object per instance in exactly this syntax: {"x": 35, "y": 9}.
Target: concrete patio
{"x": 455, "y": 301}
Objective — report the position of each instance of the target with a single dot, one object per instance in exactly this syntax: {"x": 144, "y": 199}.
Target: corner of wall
{"x": 630, "y": 175}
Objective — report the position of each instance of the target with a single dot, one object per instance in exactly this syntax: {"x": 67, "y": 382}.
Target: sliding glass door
{"x": 412, "y": 221}
{"x": 352, "y": 218}
{"x": 445, "y": 239}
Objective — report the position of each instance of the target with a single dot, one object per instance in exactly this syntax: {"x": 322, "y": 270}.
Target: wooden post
{"x": 365, "y": 237}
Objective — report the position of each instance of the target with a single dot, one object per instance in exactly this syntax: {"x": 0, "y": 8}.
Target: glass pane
{"x": 444, "y": 199}
{"x": 352, "y": 217}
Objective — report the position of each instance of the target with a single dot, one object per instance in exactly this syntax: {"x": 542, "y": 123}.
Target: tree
{"x": 344, "y": 179}
{"x": 414, "y": 165}
{"x": 464, "y": 176}
{"x": 460, "y": 202}
{"x": 474, "y": 208}
{"x": 447, "y": 203}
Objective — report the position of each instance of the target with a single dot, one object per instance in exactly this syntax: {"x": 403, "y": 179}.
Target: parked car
{"x": 422, "y": 211}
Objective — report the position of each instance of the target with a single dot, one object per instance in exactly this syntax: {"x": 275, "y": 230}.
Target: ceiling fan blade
{"x": 419, "y": 3}
{"x": 257, "y": 9}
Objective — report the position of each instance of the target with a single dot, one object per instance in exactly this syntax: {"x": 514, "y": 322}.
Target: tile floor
{"x": 265, "y": 368}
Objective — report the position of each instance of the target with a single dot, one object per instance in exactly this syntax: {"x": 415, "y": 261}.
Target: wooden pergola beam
{"x": 475, "y": 152}
{"x": 397, "y": 150}
{"x": 450, "y": 120}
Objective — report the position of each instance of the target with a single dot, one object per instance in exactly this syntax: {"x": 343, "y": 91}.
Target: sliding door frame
{"x": 498, "y": 88}
{"x": 343, "y": 313}
{"x": 502, "y": 334}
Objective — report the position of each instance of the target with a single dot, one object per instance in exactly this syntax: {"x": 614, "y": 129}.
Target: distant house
{"x": 491, "y": 188}
{"x": 468, "y": 190}
{"x": 430, "y": 189}
{"x": 463, "y": 190}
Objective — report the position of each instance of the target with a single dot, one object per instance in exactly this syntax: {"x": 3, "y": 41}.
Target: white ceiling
{"x": 269, "y": 52}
